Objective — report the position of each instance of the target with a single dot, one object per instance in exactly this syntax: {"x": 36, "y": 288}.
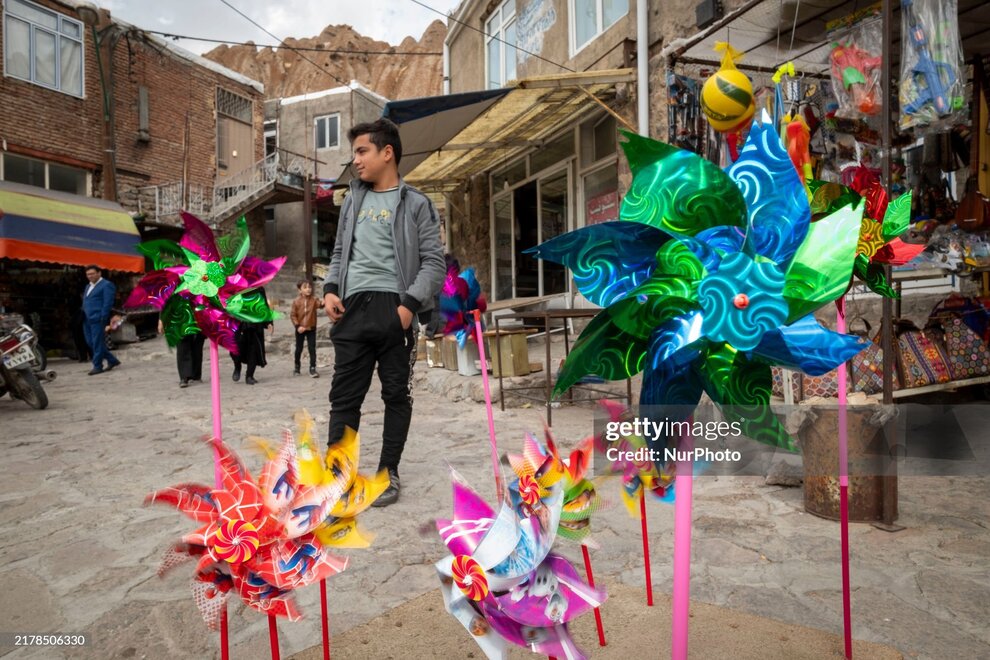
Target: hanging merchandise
{"x": 855, "y": 64}
{"x": 798, "y": 139}
{"x": 931, "y": 87}
{"x": 727, "y": 95}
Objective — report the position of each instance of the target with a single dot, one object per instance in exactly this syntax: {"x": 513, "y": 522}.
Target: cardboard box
{"x": 449, "y": 352}
{"x": 434, "y": 356}
{"x": 515, "y": 352}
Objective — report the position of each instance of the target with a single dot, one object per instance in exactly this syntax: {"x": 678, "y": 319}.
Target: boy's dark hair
{"x": 380, "y": 132}
{"x": 93, "y": 267}
{"x": 301, "y": 282}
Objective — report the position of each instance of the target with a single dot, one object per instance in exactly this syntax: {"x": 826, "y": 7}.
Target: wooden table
{"x": 546, "y": 316}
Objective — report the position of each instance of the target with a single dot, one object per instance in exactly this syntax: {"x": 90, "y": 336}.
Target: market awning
{"x": 426, "y": 124}
{"x": 42, "y": 225}
{"x": 772, "y": 32}
{"x": 523, "y": 118}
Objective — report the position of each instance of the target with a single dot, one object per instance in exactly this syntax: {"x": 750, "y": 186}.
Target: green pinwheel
{"x": 708, "y": 279}
{"x": 205, "y": 284}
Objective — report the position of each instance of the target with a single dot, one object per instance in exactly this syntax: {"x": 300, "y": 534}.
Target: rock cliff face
{"x": 286, "y": 73}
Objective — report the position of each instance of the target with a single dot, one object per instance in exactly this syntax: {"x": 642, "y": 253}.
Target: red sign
{"x": 602, "y": 208}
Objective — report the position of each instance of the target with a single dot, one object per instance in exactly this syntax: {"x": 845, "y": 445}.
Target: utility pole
{"x": 308, "y": 225}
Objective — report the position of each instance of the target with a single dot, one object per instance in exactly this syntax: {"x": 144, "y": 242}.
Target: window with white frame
{"x": 42, "y": 47}
{"x": 589, "y": 18}
{"x": 40, "y": 173}
{"x": 500, "y": 45}
{"x": 327, "y": 131}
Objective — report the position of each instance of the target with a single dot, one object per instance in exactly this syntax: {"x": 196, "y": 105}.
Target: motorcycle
{"x": 20, "y": 356}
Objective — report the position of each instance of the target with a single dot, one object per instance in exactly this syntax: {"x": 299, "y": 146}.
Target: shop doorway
{"x": 523, "y": 217}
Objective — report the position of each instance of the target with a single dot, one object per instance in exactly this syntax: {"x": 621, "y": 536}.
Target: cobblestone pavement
{"x": 78, "y": 552}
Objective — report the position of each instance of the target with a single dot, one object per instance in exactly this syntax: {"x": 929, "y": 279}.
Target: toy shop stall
{"x": 827, "y": 75}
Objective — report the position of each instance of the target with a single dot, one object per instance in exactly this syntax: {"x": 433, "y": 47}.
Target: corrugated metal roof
{"x": 522, "y": 119}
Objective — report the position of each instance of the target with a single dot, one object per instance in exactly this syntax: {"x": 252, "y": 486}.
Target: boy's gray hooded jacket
{"x": 419, "y": 260}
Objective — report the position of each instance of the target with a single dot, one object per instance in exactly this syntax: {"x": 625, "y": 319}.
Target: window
{"x": 52, "y": 176}
{"x": 327, "y": 131}
{"x": 235, "y": 135}
{"x": 271, "y": 136}
{"x": 598, "y": 140}
{"x": 589, "y": 18}
{"x": 500, "y": 42}
{"x": 43, "y": 47}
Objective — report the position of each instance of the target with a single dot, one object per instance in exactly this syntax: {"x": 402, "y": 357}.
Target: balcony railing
{"x": 230, "y": 191}
{"x": 164, "y": 201}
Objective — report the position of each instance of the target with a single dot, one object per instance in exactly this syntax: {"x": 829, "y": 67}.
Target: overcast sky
{"x": 387, "y": 20}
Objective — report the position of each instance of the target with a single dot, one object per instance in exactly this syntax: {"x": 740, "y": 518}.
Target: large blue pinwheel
{"x": 708, "y": 279}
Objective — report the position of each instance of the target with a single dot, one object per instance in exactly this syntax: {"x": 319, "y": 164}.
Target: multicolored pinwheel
{"x": 267, "y": 538}
{"x": 638, "y": 476}
{"x": 460, "y": 295}
{"x": 539, "y": 468}
{"x": 205, "y": 284}
{"x": 708, "y": 279}
{"x": 879, "y": 241}
{"x": 502, "y": 582}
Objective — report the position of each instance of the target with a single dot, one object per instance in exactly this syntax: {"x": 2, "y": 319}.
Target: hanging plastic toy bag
{"x": 932, "y": 89}
{"x": 855, "y": 63}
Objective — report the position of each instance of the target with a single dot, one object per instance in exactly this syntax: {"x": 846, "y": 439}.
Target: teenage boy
{"x": 387, "y": 266}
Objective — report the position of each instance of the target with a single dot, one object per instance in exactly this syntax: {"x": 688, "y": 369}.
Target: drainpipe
{"x": 642, "y": 68}
{"x": 446, "y": 68}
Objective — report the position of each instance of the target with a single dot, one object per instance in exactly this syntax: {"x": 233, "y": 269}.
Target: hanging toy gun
{"x": 854, "y": 67}
{"x": 937, "y": 77}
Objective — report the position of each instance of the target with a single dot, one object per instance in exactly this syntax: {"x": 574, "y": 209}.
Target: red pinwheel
{"x": 258, "y": 539}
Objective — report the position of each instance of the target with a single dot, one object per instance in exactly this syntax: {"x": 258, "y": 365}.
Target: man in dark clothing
{"x": 386, "y": 268}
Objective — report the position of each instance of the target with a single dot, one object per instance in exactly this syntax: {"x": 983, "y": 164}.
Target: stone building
{"x": 550, "y": 162}
{"x": 93, "y": 106}
{"x": 309, "y": 133}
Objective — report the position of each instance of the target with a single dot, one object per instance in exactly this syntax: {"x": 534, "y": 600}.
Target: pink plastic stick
{"x": 488, "y": 405}
{"x": 646, "y": 546}
{"x": 218, "y": 482}
{"x": 683, "y": 486}
{"x": 217, "y": 426}
{"x": 591, "y": 581}
{"x": 840, "y": 308}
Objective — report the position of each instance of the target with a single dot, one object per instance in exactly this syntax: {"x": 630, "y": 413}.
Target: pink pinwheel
{"x": 205, "y": 284}
{"x": 501, "y": 581}
{"x": 258, "y": 539}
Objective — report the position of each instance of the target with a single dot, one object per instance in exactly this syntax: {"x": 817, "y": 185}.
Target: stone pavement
{"x": 78, "y": 552}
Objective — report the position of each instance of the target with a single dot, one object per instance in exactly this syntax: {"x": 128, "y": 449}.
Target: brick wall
{"x": 49, "y": 124}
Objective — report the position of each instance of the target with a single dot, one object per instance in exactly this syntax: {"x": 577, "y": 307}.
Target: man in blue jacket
{"x": 97, "y": 304}
{"x": 386, "y": 268}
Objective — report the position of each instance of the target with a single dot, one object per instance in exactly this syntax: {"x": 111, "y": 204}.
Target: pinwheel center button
{"x": 741, "y": 301}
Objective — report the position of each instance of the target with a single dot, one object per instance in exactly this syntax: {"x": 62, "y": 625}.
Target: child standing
{"x": 303, "y": 316}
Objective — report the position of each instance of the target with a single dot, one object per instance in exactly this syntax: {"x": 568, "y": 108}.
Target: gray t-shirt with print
{"x": 372, "y": 262}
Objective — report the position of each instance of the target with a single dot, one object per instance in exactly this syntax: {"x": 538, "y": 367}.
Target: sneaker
{"x": 391, "y": 494}
{"x": 313, "y": 373}
{"x": 93, "y": 372}
{"x": 295, "y": 372}
{"x": 112, "y": 365}
{"x": 237, "y": 375}
{"x": 184, "y": 382}
{"x": 250, "y": 381}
